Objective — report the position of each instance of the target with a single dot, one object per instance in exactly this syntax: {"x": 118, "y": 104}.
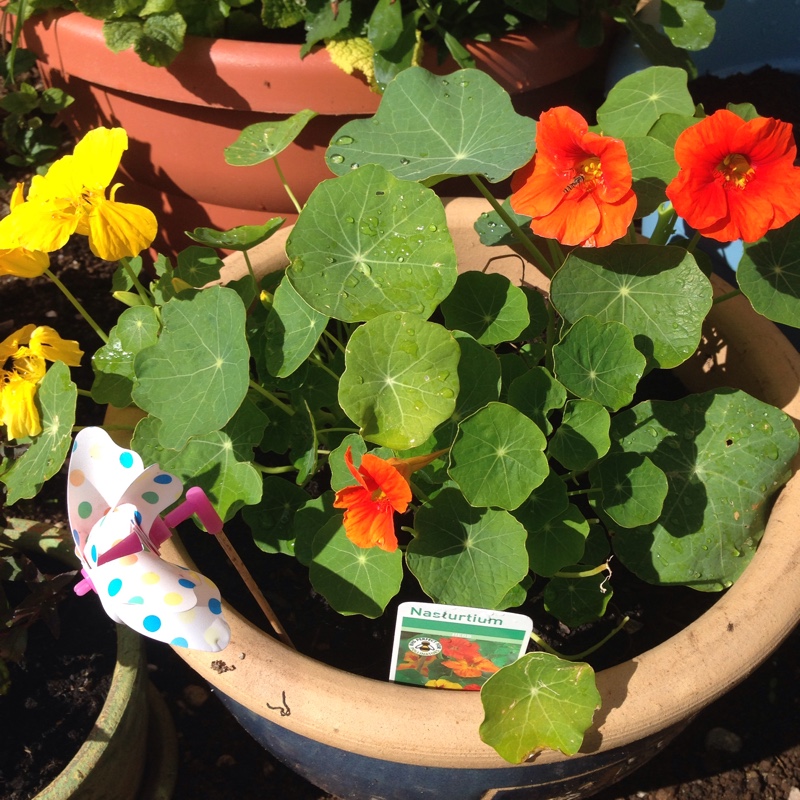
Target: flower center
{"x": 736, "y": 170}
{"x": 587, "y": 174}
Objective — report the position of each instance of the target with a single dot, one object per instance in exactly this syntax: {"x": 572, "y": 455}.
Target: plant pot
{"x": 360, "y": 738}
{"x": 131, "y": 751}
{"x": 180, "y": 118}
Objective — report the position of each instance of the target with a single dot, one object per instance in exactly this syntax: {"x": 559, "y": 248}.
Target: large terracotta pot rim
{"x": 641, "y": 697}
{"x": 263, "y": 76}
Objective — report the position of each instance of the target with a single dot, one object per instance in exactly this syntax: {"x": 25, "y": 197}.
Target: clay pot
{"x": 180, "y": 118}
{"x": 359, "y": 738}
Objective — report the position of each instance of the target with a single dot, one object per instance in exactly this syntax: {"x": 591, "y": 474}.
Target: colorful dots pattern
{"x": 136, "y": 600}
{"x": 85, "y": 509}
{"x": 214, "y": 606}
{"x": 173, "y": 599}
{"x": 126, "y": 459}
{"x": 151, "y": 623}
{"x": 150, "y": 497}
{"x": 164, "y": 478}
{"x": 150, "y": 578}
{"x": 114, "y": 587}
{"x": 179, "y": 641}
{"x": 186, "y": 584}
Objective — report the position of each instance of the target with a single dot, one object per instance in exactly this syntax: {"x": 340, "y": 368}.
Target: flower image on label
{"x": 424, "y": 646}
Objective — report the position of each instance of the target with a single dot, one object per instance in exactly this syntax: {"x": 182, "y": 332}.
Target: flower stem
{"x": 584, "y": 573}
{"x": 142, "y": 292}
{"x": 271, "y": 397}
{"x": 729, "y": 295}
{"x": 76, "y": 303}
{"x": 580, "y": 656}
{"x": 250, "y": 269}
{"x": 538, "y": 259}
{"x": 665, "y": 225}
{"x": 295, "y": 203}
{"x": 273, "y": 470}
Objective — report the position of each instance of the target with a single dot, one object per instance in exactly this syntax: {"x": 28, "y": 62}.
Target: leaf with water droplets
{"x": 724, "y": 454}
{"x": 368, "y": 243}
{"x": 400, "y": 379}
{"x": 264, "y": 140}
{"x": 428, "y": 125}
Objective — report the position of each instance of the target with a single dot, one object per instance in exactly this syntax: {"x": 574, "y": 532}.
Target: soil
{"x": 746, "y": 746}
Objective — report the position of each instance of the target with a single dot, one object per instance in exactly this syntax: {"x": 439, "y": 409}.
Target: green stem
{"x": 579, "y": 656}
{"x": 142, "y": 292}
{"x": 332, "y": 338}
{"x": 723, "y": 297}
{"x": 285, "y": 407}
{"x": 693, "y": 242}
{"x": 250, "y": 268}
{"x": 584, "y": 491}
{"x": 84, "y": 393}
{"x": 81, "y": 310}
{"x": 314, "y": 358}
{"x": 539, "y": 260}
{"x": 272, "y": 470}
{"x": 418, "y": 493}
{"x": 665, "y": 224}
{"x": 286, "y": 185}
{"x": 584, "y": 573}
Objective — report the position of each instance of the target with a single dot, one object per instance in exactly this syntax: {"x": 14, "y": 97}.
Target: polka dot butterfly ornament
{"x": 114, "y": 506}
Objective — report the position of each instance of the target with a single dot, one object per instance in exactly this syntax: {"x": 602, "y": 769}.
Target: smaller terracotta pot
{"x": 179, "y": 119}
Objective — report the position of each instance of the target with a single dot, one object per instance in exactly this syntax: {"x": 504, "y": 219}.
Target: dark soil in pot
{"x": 746, "y": 746}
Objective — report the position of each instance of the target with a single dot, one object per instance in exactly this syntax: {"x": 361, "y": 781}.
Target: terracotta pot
{"x": 131, "y": 751}
{"x": 360, "y": 738}
{"x": 180, "y": 119}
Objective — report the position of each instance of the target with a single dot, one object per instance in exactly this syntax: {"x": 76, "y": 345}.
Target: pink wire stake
{"x": 197, "y": 503}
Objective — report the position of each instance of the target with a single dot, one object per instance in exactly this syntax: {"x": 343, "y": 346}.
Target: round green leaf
{"x": 576, "y": 601}
{"x": 196, "y": 376}
{"x": 487, "y": 306}
{"x": 658, "y": 293}
{"x": 427, "y": 125}
{"x": 497, "y": 458}
{"x": 264, "y": 140}
{"x": 400, "y": 379}
{"x": 353, "y": 579}
{"x": 599, "y": 361}
{"x": 545, "y": 502}
{"x": 653, "y": 166}
{"x": 633, "y": 488}
{"x": 582, "y": 437}
{"x": 368, "y": 243}
{"x": 466, "y": 556}
{"x": 557, "y": 542}
{"x": 540, "y": 701}
{"x": 769, "y": 274}
{"x": 635, "y": 103}
{"x": 724, "y": 454}
{"x": 536, "y": 393}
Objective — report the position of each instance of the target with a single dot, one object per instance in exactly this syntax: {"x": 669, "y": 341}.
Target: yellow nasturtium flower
{"x": 17, "y": 260}
{"x": 71, "y": 198}
{"x": 22, "y": 367}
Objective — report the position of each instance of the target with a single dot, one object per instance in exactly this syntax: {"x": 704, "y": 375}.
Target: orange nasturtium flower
{"x": 443, "y": 683}
{"x": 22, "y": 367}
{"x": 71, "y": 198}
{"x": 737, "y": 178}
{"x": 577, "y": 187}
{"x": 420, "y": 663}
{"x": 382, "y": 489}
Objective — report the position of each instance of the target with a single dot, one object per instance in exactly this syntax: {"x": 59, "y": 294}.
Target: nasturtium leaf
{"x": 493, "y": 230}
{"x": 272, "y": 521}
{"x": 478, "y": 376}
{"x": 557, "y": 542}
{"x": 487, "y": 306}
{"x": 537, "y": 312}
{"x": 242, "y": 237}
{"x": 136, "y": 329}
{"x": 498, "y": 457}
{"x": 353, "y": 579}
{"x": 669, "y": 127}
{"x": 546, "y": 501}
{"x": 368, "y": 243}
{"x": 599, "y": 361}
{"x": 246, "y": 428}
{"x": 307, "y": 522}
{"x": 198, "y": 266}
{"x": 516, "y": 595}
{"x": 769, "y": 274}
{"x": 207, "y": 461}
{"x": 466, "y": 556}
{"x": 292, "y": 330}
{"x": 688, "y": 24}
{"x": 540, "y": 701}
{"x": 658, "y": 292}
{"x": 400, "y": 379}
{"x": 303, "y": 443}
{"x": 598, "y": 548}
{"x": 55, "y": 401}
{"x": 536, "y": 393}
{"x": 196, "y": 375}
{"x": 636, "y": 102}
{"x": 264, "y": 140}
{"x": 724, "y": 454}
{"x": 632, "y": 488}
{"x": 430, "y": 125}
{"x": 576, "y": 601}
{"x": 653, "y": 165}
{"x": 582, "y": 437}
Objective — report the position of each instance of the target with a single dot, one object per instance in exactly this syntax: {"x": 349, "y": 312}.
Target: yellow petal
{"x": 37, "y": 226}
{"x": 98, "y": 154}
{"x": 46, "y": 342}
{"x": 121, "y": 230}
{"x": 11, "y": 344}
{"x": 23, "y": 263}
{"x": 18, "y": 410}
{"x": 17, "y": 196}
